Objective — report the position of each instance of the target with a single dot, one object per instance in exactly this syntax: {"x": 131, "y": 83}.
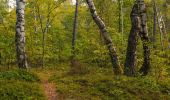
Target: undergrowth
{"x": 16, "y": 90}
{"x": 19, "y": 75}
{"x": 101, "y": 84}
{"x": 20, "y": 85}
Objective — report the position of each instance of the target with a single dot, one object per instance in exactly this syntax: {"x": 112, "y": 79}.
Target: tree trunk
{"x": 159, "y": 26}
{"x": 139, "y": 26}
{"x": 20, "y": 34}
{"x": 75, "y": 30}
{"x": 166, "y": 13}
{"x": 130, "y": 62}
{"x": 144, "y": 36}
{"x": 162, "y": 28}
{"x": 119, "y": 5}
{"x": 121, "y": 19}
{"x": 112, "y": 50}
{"x": 154, "y": 23}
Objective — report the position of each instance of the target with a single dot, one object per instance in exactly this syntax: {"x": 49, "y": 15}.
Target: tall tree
{"x": 112, "y": 50}
{"x": 20, "y": 34}
{"x": 144, "y": 36}
{"x": 154, "y": 23}
{"x": 75, "y": 29}
{"x": 121, "y": 19}
{"x": 162, "y": 28}
{"x": 139, "y": 27}
{"x": 130, "y": 63}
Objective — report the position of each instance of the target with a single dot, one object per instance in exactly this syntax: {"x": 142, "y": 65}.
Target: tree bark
{"x": 121, "y": 19}
{"x": 20, "y": 34}
{"x": 154, "y": 24}
{"x": 144, "y": 36}
{"x": 75, "y": 30}
{"x": 112, "y": 50}
{"x": 139, "y": 26}
{"x": 130, "y": 62}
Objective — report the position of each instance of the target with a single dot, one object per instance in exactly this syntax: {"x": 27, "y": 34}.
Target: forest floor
{"x": 96, "y": 83}
{"x": 86, "y": 83}
{"x": 48, "y": 87}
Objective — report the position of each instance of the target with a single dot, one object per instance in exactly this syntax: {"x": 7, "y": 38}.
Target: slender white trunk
{"x": 20, "y": 34}
{"x": 108, "y": 41}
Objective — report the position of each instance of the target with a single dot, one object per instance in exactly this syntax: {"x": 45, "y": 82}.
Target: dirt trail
{"x": 49, "y": 87}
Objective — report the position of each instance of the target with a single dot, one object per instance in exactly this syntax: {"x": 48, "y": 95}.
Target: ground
{"x": 93, "y": 83}
{"x": 48, "y": 87}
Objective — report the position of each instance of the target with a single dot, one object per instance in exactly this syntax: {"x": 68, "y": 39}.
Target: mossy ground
{"x": 89, "y": 83}
{"x": 20, "y": 85}
{"x": 102, "y": 84}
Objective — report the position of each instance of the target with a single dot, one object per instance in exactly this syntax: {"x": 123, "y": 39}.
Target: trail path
{"x": 49, "y": 87}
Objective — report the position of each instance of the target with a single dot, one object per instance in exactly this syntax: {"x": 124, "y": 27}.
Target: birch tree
{"x": 20, "y": 34}
{"x": 144, "y": 37}
{"x": 108, "y": 42}
{"x": 139, "y": 27}
{"x": 130, "y": 62}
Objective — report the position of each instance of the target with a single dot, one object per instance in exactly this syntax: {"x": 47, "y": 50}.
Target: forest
{"x": 84, "y": 49}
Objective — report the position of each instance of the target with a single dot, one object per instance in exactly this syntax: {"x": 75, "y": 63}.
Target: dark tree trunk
{"x": 154, "y": 23}
{"x": 130, "y": 62}
{"x": 75, "y": 26}
{"x": 20, "y": 34}
{"x": 144, "y": 36}
{"x": 112, "y": 50}
{"x": 139, "y": 26}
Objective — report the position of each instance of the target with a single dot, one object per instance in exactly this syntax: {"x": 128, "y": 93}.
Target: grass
{"x": 17, "y": 90}
{"x": 21, "y": 75}
{"x": 20, "y": 85}
{"x": 101, "y": 84}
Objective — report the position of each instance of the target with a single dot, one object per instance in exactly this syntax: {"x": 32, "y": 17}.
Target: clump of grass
{"x": 22, "y": 75}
